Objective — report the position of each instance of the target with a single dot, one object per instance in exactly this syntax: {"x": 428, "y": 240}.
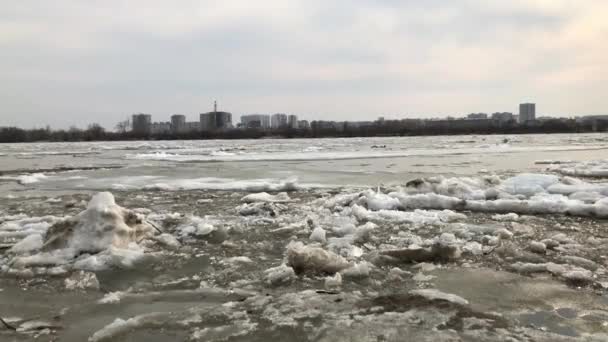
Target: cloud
{"x": 74, "y": 62}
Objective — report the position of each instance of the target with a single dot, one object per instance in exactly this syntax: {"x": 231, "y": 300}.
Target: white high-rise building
{"x": 292, "y": 121}
{"x": 278, "y": 120}
{"x": 527, "y": 112}
{"x": 141, "y": 123}
{"x": 256, "y": 121}
{"x": 215, "y": 120}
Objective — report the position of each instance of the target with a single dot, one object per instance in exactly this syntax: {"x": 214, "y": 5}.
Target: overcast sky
{"x": 72, "y": 62}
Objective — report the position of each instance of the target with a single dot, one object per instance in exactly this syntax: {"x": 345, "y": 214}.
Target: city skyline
{"x": 221, "y": 121}
{"x": 71, "y": 63}
{"x": 165, "y": 122}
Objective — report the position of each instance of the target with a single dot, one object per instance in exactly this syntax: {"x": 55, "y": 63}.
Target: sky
{"x": 75, "y": 62}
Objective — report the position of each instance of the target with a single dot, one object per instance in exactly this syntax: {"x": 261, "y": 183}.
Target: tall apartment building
{"x": 178, "y": 123}
{"x": 215, "y": 120}
{"x": 160, "y": 128}
{"x": 303, "y": 124}
{"x": 141, "y": 123}
{"x": 278, "y": 120}
{"x": 292, "y": 121}
{"x": 256, "y": 121}
{"x": 527, "y": 112}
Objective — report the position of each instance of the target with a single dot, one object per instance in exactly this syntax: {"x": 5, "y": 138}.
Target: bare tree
{"x": 123, "y": 126}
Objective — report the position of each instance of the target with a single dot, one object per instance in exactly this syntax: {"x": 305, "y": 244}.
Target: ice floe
{"x": 266, "y": 197}
{"x": 594, "y": 168}
{"x": 315, "y": 260}
{"x": 102, "y": 236}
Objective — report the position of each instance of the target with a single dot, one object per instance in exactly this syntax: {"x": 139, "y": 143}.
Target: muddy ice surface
{"x": 488, "y": 258}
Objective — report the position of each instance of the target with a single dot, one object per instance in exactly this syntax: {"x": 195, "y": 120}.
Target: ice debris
{"x": 310, "y": 259}
{"x": 443, "y": 248}
{"x": 433, "y": 294}
{"x": 279, "y": 275}
{"x": 103, "y": 235}
{"x": 281, "y": 197}
{"x": 120, "y": 326}
{"x": 82, "y": 280}
{"x": 318, "y": 235}
{"x": 29, "y": 244}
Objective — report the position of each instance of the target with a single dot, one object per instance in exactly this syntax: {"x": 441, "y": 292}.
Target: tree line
{"x": 95, "y": 132}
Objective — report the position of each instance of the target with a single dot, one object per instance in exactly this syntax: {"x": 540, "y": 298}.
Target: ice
{"x": 168, "y": 240}
{"x": 417, "y": 217}
{"x": 358, "y": 270}
{"x": 473, "y": 247}
{"x": 102, "y": 236}
{"x": 120, "y": 326}
{"x": 378, "y": 201}
{"x": 36, "y": 325}
{"x": 101, "y": 225}
{"x": 112, "y": 297}
{"x": 299, "y": 155}
{"x": 528, "y": 184}
{"x": 279, "y": 275}
{"x": 243, "y": 260}
{"x": 224, "y": 332}
{"x": 521, "y": 194}
{"x": 538, "y": 247}
{"x": 82, "y": 280}
{"x": 27, "y": 178}
{"x": 504, "y": 234}
{"x": 318, "y": 235}
{"x": 465, "y": 187}
{"x": 197, "y": 226}
{"x": 443, "y": 248}
{"x": 363, "y": 233}
{"x": 316, "y": 260}
{"x": 581, "y": 262}
{"x": 112, "y": 257}
{"x": 29, "y": 244}
{"x": 594, "y": 168}
{"x": 578, "y": 276}
{"x": 433, "y": 294}
{"x": 210, "y": 183}
{"x": 266, "y": 197}
{"x": 506, "y": 217}
{"x": 260, "y": 209}
{"x": 21, "y": 226}
{"x": 574, "y": 274}
{"x": 343, "y": 246}
{"x": 333, "y": 281}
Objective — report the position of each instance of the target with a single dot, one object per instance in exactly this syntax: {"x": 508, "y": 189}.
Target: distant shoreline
{"x": 17, "y": 135}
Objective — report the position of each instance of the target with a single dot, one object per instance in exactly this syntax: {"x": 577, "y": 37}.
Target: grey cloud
{"x": 75, "y": 62}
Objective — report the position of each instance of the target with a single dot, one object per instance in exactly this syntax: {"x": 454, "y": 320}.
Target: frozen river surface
{"x": 460, "y": 238}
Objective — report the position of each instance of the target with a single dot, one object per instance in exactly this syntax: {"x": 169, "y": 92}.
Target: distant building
{"x": 193, "y": 126}
{"x": 178, "y": 123}
{"x": 215, "y": 120}
{"x": 502, "y": 117}
{"x": 141, "y": 123}
{"x": 598, "y": 123}
{"x": 292, "y": 121}
{"x": 477, "y": 116}
{"x": 359, "y": 124}
{"x": 256, "y": 121}
{"x": 527, "y": 112}
{"x": 303, "y": 124}
{"x": 329, "y": 125}
{"x": 278, "y": 120}
{"x": 160, "y": 128}
{"x": 458, "y": 124}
